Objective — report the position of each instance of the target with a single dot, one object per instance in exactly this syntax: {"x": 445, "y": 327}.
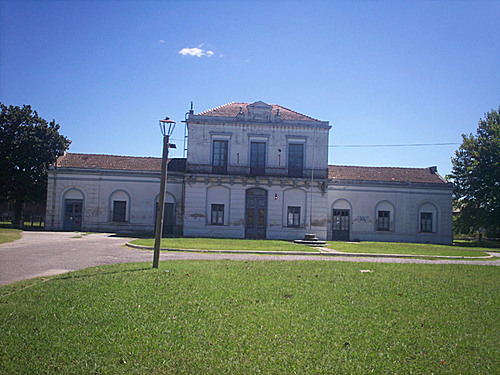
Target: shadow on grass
{"x": 17, "y": 286}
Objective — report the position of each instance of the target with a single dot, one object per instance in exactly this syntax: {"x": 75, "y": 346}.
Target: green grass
{"x": 9, "y": 235}
{"x": 224, "y": 244}
{"x": 348, "y": 247}
{"x": 213, "y": 317}
{"x": 406, "y": 249}
{"x": 27, "y": 224}
{"x": 489, "y": 244}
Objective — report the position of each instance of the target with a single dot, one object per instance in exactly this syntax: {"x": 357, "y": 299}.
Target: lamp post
{"x": 167, "y": 127}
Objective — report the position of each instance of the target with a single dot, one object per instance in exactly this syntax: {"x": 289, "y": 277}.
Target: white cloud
{"x": 195, "y": 51}
{"x": 161, "y": 41}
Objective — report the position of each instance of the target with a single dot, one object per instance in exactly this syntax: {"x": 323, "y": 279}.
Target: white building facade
{"x": 254, "y": 171}
{"x": 107, "y": 193}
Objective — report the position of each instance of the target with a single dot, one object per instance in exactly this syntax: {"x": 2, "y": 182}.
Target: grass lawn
{"x": 26, "y": 224}
{"x": 9, "y": 235}
{"x": 490, "y": 244}
{"x": 212, "y": 317}
{"x": 224, "y": 244}
{"x": 406, "y": 248}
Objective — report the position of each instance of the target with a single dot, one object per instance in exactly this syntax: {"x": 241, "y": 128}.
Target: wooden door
{"x": 256, "y": 214}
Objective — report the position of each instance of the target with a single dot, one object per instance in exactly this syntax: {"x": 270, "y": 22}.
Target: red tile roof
{"x": 232, "y": 109}
{"x": 335, "y": 172}
{"x": 348, "y": 172}
{"x": 116, "y": 162}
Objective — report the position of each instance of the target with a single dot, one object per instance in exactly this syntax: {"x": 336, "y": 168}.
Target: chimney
{"x": 433, "y": 169}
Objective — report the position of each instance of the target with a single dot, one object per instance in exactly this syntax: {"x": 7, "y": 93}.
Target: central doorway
{"x": 256, "y": 213}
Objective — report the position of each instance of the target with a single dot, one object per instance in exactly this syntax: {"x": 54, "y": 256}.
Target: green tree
{"x": 476, "y": 178}
{"x": 28, "y": 145}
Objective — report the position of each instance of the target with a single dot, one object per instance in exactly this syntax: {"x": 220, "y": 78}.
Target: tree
{"x": 28, "y": 145}
{"x": 476, "y": 178}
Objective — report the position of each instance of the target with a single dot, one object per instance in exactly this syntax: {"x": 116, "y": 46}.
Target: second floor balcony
{"x": 247, "y": 170}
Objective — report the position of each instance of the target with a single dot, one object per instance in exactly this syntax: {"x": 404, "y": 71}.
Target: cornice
{"x": 222, "y": 121}
{"x": 406, "y": 184}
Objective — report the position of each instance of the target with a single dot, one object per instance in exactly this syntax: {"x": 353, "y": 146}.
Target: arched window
{"x": 427, "y": 218}
{"x": 384, "y": 216}
{"x": 119, "y": 202}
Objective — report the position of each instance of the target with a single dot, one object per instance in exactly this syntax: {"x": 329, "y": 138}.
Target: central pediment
{"x": 255, "y": 112}
{"x": 259, "y": 111}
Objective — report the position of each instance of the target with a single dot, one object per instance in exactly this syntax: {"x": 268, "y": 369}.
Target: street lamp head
{"x": 167, "y": 126}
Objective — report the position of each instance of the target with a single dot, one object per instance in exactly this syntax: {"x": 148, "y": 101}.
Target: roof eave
{"x": 334, "y": 180}
{"x": 237, "y": 120}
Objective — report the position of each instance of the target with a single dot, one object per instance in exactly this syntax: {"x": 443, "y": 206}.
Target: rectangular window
{"x": 217, "y": 214}
{"x": 257, "y": 158}
{"x": 384, "y": 218}
{"x": 219, "y": 157}
{"x": 119, "y": 211}
{"x": 293, "y": 216}
{"x": 295, "y": 159}
{"x": 426, "y": 222}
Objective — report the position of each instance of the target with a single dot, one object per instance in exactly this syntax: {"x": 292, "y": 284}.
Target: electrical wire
{"x": 385, "y": 145}
{"x": 399, "y": 145}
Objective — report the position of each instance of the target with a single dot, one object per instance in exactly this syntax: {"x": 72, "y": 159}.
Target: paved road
{"x": 50, "y": 253}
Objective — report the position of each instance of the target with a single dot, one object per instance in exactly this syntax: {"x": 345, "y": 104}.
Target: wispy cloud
{"x": 195, "y": 51}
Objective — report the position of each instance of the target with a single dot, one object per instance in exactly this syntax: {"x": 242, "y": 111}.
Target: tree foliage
{"x": 476, "y": 178}
{"x": 28, "y": 145}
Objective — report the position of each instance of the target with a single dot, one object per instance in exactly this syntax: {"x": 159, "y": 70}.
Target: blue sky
{"x": 382, "y": 72}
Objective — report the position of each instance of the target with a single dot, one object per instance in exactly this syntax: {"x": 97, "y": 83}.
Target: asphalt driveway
{"x": 50, "y": 253}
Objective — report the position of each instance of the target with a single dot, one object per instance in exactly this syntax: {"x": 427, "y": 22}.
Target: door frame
{"x": 256, "y": 232}
{"x": 72, "y": 225}
{"x": 341, "y": 235}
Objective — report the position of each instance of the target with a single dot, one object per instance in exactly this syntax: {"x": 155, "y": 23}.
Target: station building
{"x": 253, "y": 170}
